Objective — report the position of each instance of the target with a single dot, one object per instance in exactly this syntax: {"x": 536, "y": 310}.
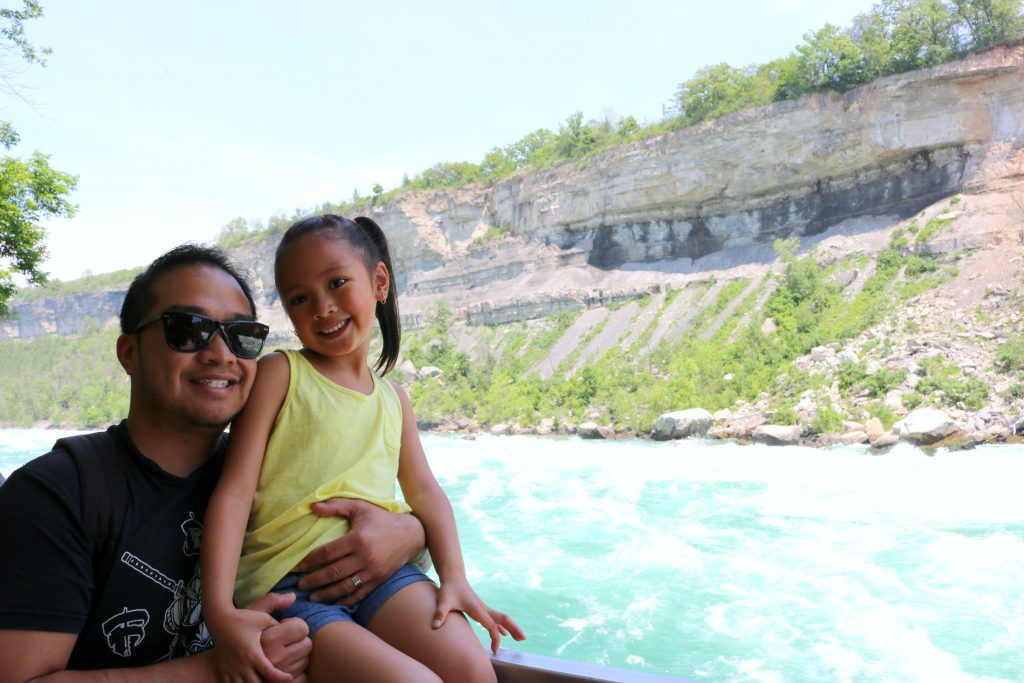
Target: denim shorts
{"x": 317, "y": 615}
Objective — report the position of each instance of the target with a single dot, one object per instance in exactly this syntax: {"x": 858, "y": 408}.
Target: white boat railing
{"x": 521, "y": 667}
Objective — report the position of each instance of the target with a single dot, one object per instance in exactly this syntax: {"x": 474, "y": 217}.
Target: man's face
{"x": 176, "y": 390}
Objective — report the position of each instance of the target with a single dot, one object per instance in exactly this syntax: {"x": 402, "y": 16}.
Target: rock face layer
{"x": 710, "y": 196}
{"x": 717, "y": 193}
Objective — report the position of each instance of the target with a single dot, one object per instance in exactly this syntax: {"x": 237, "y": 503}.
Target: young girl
{"x": 321, "y": 424}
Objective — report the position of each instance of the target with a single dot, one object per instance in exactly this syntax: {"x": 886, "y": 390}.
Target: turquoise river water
{"x": 719, "y": 562}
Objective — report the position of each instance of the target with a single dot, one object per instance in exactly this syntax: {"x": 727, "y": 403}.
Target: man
{"x": 119, "y": 599}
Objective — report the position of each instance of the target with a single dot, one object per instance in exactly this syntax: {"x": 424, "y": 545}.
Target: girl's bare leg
{"x": 344, "y": 651}
{"x": 453, "y": 651}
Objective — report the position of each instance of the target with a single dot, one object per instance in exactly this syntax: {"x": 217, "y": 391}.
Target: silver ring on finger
{"x": 356, "y": 581}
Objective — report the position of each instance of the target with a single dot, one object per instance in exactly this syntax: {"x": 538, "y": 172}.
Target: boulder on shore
{"x": 777, "y": 435}
{"x": 591, "y": 430}
{"x": 925, "y": 426}
{"x": 884, "y": 441}
{"x": 850, "y": 438}
{"x": 682, "y": 423}
{"x": 874, "y": 428}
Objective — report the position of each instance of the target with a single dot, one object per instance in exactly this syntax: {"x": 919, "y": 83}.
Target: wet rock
{"x": 745, "y": 425}
{"x": 682, "y": 423}
{"x": 885, "y": 441}
{"x": 777, "y": 435}
{"x": 874, "y": 428}
{"x": 721, "y": 432}
{"x": 845, "y": 439}
{"x": 591, "y": 430}
{"x": 500, "y": 429}
{"x": 997, "y": 433}
{"x": 925, "y": 426}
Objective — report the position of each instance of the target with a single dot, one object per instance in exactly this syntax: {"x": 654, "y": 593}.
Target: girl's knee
{"x": 466, "y": 665}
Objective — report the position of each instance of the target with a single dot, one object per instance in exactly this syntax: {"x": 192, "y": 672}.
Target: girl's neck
{"x": 349, "y": 371}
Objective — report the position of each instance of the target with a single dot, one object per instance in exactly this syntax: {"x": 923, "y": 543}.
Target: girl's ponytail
{"x": 387, "y": 310}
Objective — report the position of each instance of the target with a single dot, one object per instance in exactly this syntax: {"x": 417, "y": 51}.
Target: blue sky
{"x": 180, "y": 116}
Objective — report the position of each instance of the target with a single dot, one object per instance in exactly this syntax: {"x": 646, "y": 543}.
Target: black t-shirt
{"x": 146, "y": 607}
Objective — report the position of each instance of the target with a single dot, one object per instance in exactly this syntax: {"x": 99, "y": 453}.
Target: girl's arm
{"x": 431, "y": 505}
{"x": 236, "y": 632}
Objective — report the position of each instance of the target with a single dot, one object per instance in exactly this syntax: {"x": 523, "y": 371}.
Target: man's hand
{"x": 377, "y": 544}
{"x": 286, "y": 644}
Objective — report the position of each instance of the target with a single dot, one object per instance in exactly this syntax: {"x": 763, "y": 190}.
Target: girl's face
{"x": 329, "y": 294}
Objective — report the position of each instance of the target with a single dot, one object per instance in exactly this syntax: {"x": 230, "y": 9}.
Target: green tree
{"x": 788, "y": 77}
{"x": 30, "y": 190}
{"x": 831, "y": 60}
{"x": 921, "y": 35}
{"x": 234, "y": 232}
{"x": 534, "y": 149}
{"x": 870, "y": 31}
{"x": 575, "y": 138}
{"x": 12, "y": 37}
{"x": 497, "y": 163}
{"x": 627, "y": 126}
{"x": 988, "y": 22}
{"x": 718, "y": 90}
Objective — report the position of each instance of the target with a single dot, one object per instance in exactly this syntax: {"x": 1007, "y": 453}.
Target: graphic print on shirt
{"x": 125, "y": 630}
{"x": 193, "y": 530}
{"x": 183, "y": 617}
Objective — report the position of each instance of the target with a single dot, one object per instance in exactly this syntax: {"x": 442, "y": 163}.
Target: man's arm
{"x": 377, "y": 544}
{"x": 44, "y": 564}
{"x": 40, "y": 656}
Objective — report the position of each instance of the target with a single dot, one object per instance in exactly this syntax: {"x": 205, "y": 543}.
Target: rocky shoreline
{"x": 927, "y": 428}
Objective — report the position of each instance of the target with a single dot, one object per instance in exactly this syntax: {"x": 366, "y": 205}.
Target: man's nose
{"x": 218, "y": 347}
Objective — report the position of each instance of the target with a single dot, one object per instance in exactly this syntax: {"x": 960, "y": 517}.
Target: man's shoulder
{"x": 60, "y": 468}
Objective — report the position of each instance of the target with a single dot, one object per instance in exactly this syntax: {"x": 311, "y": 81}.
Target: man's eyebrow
{"x": 198, "y": 310}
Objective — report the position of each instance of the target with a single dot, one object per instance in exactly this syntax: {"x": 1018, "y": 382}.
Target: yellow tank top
{"x": 327, "y": 441}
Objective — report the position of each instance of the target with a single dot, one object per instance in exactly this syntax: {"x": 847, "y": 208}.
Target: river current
{"x": 718, "y": 562}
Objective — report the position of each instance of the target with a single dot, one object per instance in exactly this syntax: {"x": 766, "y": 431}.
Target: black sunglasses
{"x": 190, "y": 332}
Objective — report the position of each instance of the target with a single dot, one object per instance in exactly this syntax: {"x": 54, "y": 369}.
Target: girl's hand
{"x": 457, "y": 595}
{"x": 239, "y": 654}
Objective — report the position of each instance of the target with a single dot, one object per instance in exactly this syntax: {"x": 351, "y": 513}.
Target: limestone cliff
{"x": 675, "y": 208}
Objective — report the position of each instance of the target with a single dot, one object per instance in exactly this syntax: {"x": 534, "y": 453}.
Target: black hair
{"x": 140, "y": 297}
{"x": 364, "y": 236}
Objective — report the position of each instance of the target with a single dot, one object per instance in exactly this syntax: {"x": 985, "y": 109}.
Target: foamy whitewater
{"x": 719, "y": 562}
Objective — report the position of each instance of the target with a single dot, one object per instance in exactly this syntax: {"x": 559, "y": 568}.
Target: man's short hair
{"x": 140, "y": 297}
